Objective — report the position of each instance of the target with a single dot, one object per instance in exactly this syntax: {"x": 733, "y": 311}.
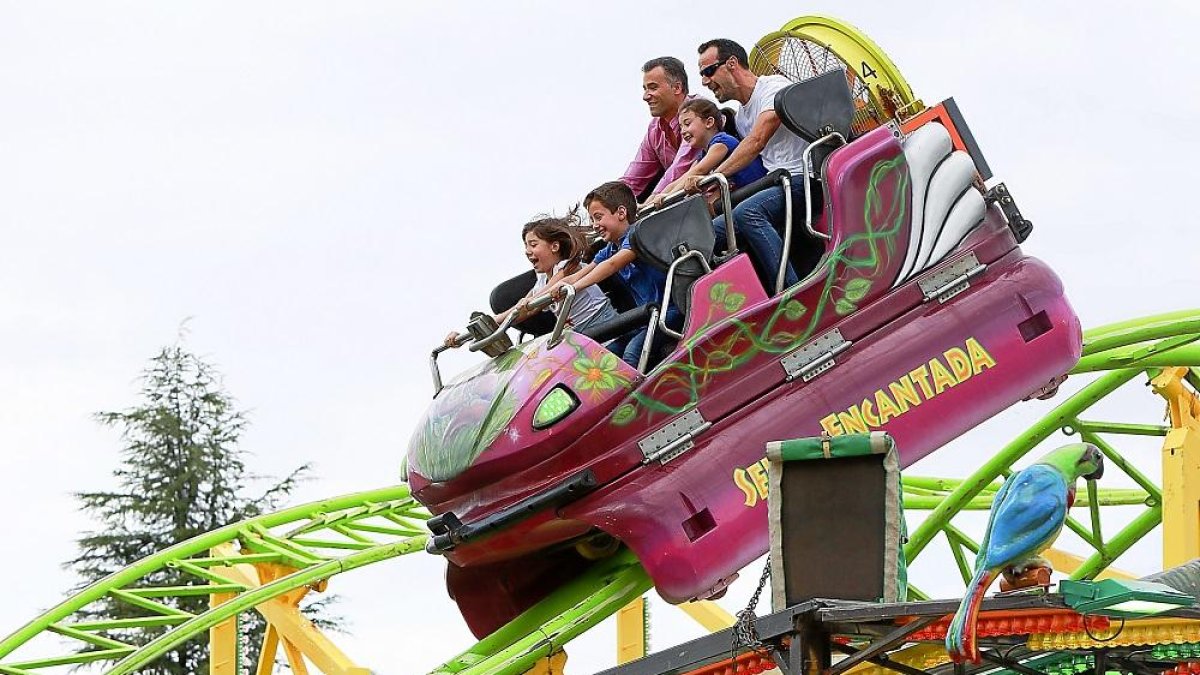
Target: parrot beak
{"x": 1094, "y": 454}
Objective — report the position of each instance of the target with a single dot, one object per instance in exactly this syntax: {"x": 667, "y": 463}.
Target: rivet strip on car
{"x": 947, "y": 282}
{"x": 675, "y": 438}
{"x": 815, "y": 357}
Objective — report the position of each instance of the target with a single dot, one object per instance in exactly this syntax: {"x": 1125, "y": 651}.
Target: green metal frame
{"x": 314, "y": 538}
{"x": 1120, "y": 353}
{"x": 330, "y": 537}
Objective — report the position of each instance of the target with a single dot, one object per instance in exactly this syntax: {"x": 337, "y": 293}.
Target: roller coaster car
{"x": 922, "y": 317}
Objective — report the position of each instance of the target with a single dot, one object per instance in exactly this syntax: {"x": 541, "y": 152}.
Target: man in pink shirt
{"x": 663, "y": 156}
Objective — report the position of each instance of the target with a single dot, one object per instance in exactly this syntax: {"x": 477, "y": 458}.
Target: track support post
{"x": 1180, "y": 467}
{"x": 224, "y": 643}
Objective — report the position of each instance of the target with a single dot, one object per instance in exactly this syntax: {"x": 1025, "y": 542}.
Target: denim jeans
{"x": 629, "y": 345}
{"x": 755, "y": 220}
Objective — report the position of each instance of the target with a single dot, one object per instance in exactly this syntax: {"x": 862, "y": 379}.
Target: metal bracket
{"x": 675, "y": 438}
{"x": 815, "y": 357}
{"x": 946, "y": 282}
{"x": 1019, "y": 225}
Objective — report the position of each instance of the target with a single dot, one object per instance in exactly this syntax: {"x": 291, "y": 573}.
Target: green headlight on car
{"x": 556, "y": 405}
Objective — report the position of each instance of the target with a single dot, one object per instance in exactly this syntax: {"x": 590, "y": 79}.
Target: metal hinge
{"x": 675, "y": 438}
{"x": 815, "y": 357}
{"x": 949, "y": 281}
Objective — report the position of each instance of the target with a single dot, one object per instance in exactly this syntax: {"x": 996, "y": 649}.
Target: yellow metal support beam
{"x": 631, "y": 631}
{"x": 708, "y": 614}
{"x": 300, "y": 638}
{"x": 295, "y": 659}
{"x": 223, "y": 646}
{"x": 555, "y": 664}
{"x": 266, "y": 657}
{"x": 1067, "y": 563}
{"x": 1181, "y": 468}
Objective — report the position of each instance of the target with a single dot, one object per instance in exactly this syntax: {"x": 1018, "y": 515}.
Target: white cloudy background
{"x": 325, "y": 189}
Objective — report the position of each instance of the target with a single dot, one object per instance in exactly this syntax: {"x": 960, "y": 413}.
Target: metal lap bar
{"x": 726, "y": 210}
{"x": 786, "y": 182}
{"x": 644, "y": 358}
{"x": 541, "y": 302}
{"x": 808, "y": 173}
{"x": 560, "y": 322}
{"x": 667, "y": 288}
{"x": 500, "y": 330}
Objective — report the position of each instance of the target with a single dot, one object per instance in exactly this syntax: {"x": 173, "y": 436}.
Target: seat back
{"x": 815, "y": 107}
{"x": 510, "y": 292}
{"x": 661, "y": 237}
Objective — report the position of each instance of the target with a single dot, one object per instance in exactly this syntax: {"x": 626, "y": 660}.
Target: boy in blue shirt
{"x": 612, "y": 208}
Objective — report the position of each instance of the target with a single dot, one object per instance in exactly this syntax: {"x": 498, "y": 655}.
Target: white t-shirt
{"x": 784, "y": 149}
{"x": 588, "y": 303}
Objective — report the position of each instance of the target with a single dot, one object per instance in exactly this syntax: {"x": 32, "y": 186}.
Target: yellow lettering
{"x": 830, "y": 424}
{"x": 759, "y": 476}
{"x": 905, "y": 393}
{"x": 868, "y": 413}
{"x": 960, "y": 365}
{"x": 852, "y": 421}
{"x": 742, "y": 480}
{"x": 921, "y": 377}
{"x": 980, "y": 359}
{"x": 920, "y": 384}
{"x": 942, "y": 379}
{"x": 887, "y": 407}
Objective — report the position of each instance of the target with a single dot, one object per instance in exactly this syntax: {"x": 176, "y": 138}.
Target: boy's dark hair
{"x": 672, "y": 66}
{"x": 725, "y": 49}
{"x": 567, "y": 232}
{"x": 705, "y": 109}
{"x": 614, "y": 194}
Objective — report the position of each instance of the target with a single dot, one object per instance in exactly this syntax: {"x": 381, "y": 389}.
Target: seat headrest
{"x": 656, "y": 238}
{"x": 817, "y": 106}
{"x": 663, "y": 236}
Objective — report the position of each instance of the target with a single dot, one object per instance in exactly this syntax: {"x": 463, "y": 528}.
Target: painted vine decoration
{"x": 687, "y": 378}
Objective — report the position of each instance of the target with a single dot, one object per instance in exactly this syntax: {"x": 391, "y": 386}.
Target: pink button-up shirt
{"x": 662, "y": 149}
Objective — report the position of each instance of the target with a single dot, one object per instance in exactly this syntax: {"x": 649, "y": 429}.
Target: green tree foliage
{"x": 181, "y": 474}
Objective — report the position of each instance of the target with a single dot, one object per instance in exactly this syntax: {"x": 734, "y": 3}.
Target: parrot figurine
{"x": 1027, "y": 514}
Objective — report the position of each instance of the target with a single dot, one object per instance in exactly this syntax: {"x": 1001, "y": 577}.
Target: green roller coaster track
{"x": 323, "y": 539}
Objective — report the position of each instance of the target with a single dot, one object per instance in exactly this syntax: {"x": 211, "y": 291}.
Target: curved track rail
{"x": 317, "y": 541}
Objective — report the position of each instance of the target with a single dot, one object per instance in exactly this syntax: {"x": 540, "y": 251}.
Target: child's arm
{"x": 704, "y": 166}
{"x": 595, "y": 273}
{"x": 570, "y": 278}
{"x": 520, "y": 307}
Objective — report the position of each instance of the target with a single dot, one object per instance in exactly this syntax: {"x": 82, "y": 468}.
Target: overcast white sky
{"x": 327, "y": 188}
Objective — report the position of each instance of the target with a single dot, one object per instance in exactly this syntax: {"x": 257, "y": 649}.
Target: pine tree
{"x": 181, "y": 474}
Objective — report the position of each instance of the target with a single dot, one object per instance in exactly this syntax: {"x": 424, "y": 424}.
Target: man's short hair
{"x": 672, "y": 66}
{"x": 613, "y": 194}
{"x": 725, "y": 49}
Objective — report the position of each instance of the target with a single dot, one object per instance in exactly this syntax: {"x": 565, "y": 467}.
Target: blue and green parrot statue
{"x": 1027, "y": 514}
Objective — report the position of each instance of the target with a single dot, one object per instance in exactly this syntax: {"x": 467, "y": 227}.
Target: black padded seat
{"x": 510, "y": 292}
{"x": 816, "y": 107}
{"x": 664, "y": 235}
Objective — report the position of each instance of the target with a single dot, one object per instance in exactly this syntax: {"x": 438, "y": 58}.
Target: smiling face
{"x": 542, "y": 254}
{"x": 610, "y": 225}
{"x": 720, "y": 81}
{"x": 660, "y": 94}
{"x": 696, "y": 131}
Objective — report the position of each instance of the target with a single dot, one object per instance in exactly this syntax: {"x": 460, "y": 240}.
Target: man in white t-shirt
{"x": 723, "y": 70}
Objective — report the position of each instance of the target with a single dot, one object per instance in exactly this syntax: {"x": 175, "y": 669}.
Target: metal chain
{"x": 744, "y": 632}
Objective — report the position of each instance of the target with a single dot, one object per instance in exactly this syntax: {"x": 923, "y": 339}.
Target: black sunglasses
{"x": 707, "y": 71}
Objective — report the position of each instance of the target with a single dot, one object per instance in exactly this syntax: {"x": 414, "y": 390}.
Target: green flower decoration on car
{"x": 599, "y": 374}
